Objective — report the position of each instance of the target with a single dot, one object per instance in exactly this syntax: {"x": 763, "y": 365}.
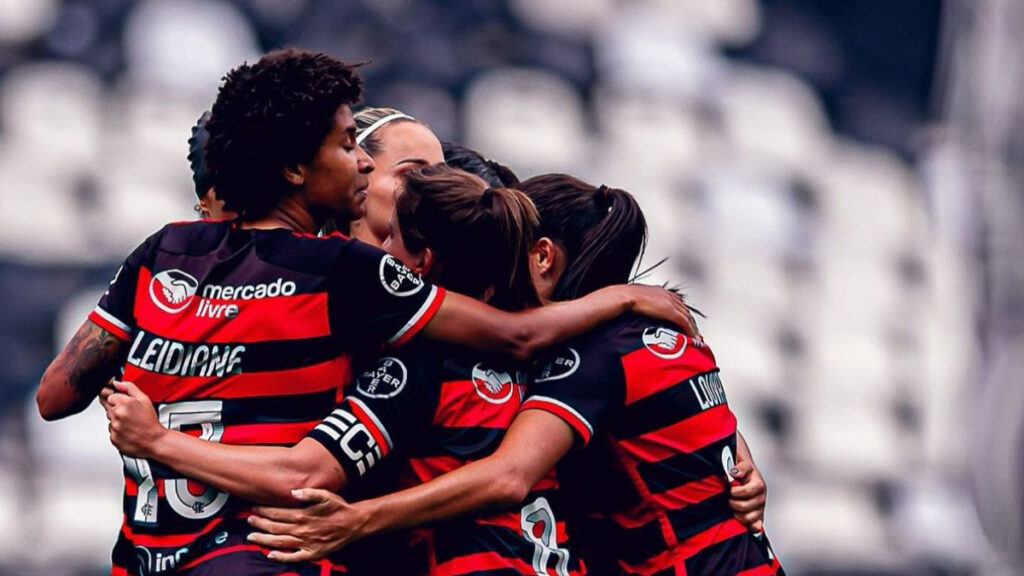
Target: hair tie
{"x": 487, "y": 198}
{"x": 370, "y": 129}
{"x": 603, "y": 198}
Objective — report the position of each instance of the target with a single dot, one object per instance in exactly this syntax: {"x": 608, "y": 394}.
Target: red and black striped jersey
{"x": 242, "y": 337}
{"x": 443, "y": 408}
{"x": 650, "y": 491}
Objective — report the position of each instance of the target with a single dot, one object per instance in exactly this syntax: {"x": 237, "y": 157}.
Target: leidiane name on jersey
{"x": 174, "y": 358}
{"x": 708, "y": 389}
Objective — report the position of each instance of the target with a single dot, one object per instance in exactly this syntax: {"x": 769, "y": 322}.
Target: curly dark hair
{"x": 271, "y": 115}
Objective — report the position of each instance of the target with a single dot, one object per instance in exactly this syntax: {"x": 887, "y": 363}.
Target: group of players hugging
{"x": 378, "y": 354}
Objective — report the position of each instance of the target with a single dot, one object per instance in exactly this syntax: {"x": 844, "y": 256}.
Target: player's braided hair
{"x": 480, "y": 235}
{"x": 271, "y": 115}
{"x": 601, "y": 230}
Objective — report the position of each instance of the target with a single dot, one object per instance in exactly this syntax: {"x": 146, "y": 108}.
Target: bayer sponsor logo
{"x": 397, "y": 278}
{"x": 172, "y": 290}
{"x": 560, "y": 365}
{"x": 491, "y": 385}
{"x": 385, "y": 379}
{"x": 664, "y": 343}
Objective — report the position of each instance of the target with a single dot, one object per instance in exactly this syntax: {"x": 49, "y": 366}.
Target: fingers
{"x": 132, "y": 390}
{"x": 314, "y": 495}
{"x": 748, "y": 491}
{"x": 292, "y": 557}
{"x": 287, "y": 515}
{"x": 752, "y": 520}
{"x": 746, "y": 506}
{"x": 741, "y": 470}
{"x": 285, "y": 541}
{"x": 271, "y": 526}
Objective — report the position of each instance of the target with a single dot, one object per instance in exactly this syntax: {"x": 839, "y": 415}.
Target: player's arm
{"x": 534, "y": 443}
{"x": 79, "y": 372}
{"x": 472, "y": 323}
{"x": 259, "y": 473}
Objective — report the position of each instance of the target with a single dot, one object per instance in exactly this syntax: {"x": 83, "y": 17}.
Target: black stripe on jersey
{"x": 732, "y": 556}
{"x": 632, "y": 545}
{"x": 696, "y": 518}
{"x": 278, "y": 409}
{"x": 267, "y": 356}
{"x": 465, "y": 443}
{"x": 465, "y": 538}
{"x": 674, "y": 471}
{"x": 663, "y": 408}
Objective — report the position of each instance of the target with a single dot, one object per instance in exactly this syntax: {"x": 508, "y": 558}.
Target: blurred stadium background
{"x": 837, "y": 184}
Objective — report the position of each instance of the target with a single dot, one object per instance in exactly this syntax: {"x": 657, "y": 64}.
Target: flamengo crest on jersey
{"x": 491, "y": 385}
{"x": 397, "y": 278}
{"x": 171, "y": 290}
{"x": 664, "y": 343}
{"x": 385, "y": 379}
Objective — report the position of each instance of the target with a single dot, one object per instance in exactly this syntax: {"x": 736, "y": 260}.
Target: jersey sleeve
{"x": 115, "y": 311}
{"x": 390, "y": 401}
{"x": 375, "y": 299}
{"x": 577, "y": 383}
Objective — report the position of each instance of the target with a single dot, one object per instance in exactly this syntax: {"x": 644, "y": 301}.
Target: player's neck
{"x": 289, "y": 215}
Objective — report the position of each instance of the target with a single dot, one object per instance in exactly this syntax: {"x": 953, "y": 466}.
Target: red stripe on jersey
{"x": 131, "y": 487}
{"x": 431, "y": 308}
{"x": 647, "y": 374}
{"x": 480, "y": 562}
{"x": 283, "y": 433}
{"x": 762, "y": 570}
{"x": 690, "y": 493}
{"x": 372, "y": 424}
{"x": 256, "y": 319}
{"x": 118, "y": 571}
{"x": 426, "y": 469}
{"x": 686, "y": 436}
{"x": 459, "y": 406}
{"x": 573, "y": 419}
{"x": 306, "y": 380}
{"x": 718, "y": 533}
{"x": 97, "y": 319}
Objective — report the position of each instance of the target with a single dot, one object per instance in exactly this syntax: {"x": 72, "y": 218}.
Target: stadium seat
{"x": 827, "y": 522}
{"x": 527, "y": 118}
{"x": 575, "y": 17}
{"x": 25, "y": 19}
{"x": 771, "y": 116}
{"x": 187, "y": 45}
{"x": 52, "y": 114}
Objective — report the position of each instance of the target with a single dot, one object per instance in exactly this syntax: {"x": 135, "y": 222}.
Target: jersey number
{"x": 538, "y": 525}
{"x": 206, "y": 415}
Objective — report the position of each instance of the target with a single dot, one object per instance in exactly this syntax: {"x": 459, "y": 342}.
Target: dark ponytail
{"x": 601, "y": 230}
{"x": 480, "y": 235}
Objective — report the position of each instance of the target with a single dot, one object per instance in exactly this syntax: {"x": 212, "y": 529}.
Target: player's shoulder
{"x": 306, "y": 253}
{"x": 189, "y": 238}
{"x": 641, "y": 335}
{"x": 388, "y": 375}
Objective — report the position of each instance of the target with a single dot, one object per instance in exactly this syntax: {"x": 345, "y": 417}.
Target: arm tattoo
{"x": 93, "y": 354}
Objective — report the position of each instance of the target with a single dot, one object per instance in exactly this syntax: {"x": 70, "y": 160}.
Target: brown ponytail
{"x": 480, "y": 235}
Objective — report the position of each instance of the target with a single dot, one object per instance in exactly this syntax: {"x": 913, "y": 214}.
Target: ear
{"x": 294, "y": 175}
{"x": 544, "y": 254}
{"x": 425, "y": 262}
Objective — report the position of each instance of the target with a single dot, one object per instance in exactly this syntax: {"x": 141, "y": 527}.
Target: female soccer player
{"x": 397, "y": 143}
{"x": 642, "y": 401}
{"x": 439, "y": 406}
{"x": 244, "y": 329}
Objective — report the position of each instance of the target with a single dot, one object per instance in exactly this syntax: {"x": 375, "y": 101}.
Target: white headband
{"x": 369, "y": 129}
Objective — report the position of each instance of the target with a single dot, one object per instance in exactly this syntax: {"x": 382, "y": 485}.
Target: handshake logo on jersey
{"x": 494, "y": 387}
{"x": 172, "y": 290}
{"x": 664, "y": 343}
